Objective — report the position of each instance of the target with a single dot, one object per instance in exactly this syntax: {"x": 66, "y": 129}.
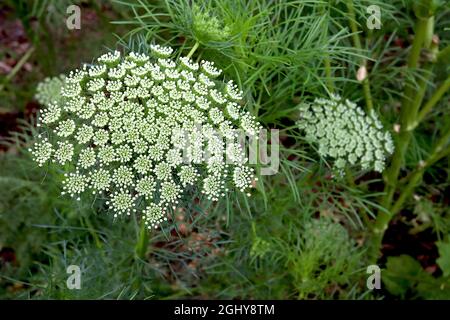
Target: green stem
{"x": 418, "y": 99}
{"x": 92, "y": 231}
{"x": 349, "y": 177}
{"x": 413, "y": 179}
{"x": 330, "y": 84}
{"x": 353, "y": 26}
{"x": 357, "y": 42}
{"x": 438, "y": 153}
{"x": 367, "y": 94}
{"x": 407, "y": 118}
{"x": 444, "y": 55}
{"x": 407, "y": 115}
{"x": 391, "y": 174}
{"x": 327, "y": 61}
{"x": 17, "y": 67}
{"x": 193, "y": 50}
{"x": 142, "y": 243}
{"x": 433, "y": 100}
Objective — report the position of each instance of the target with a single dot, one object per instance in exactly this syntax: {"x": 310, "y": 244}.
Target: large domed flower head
{"x": 140, "y": 130}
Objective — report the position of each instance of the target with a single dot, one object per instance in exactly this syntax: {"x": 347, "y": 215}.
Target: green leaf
{"x": 444, "y": 257}
{"x": 404, "y": 275}
{"x": 401, "y": 274}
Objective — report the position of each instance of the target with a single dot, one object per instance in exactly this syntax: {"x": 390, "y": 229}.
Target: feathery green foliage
{"x": 306, "y": 233}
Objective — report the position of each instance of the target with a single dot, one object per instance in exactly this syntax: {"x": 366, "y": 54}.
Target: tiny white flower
{"x": 97, "y": 71}
{"x": 121, "y": 202}
{"x": 146, "y": 186}
{"x": 213, "y": 187}
{"x": 87, "y": 158}
{"x": 65, "y": 128}
{"x": 123, "y": 176}
{"x": 101, "y": 137}
{"x": 100, "y": 180}
{"x": 170, "y": 192}
{"x": 42, "y": 151}
{"x": 51, "y": 114}
{"x": 95, "y": 85}
{"x": 209, "y": 68}
{"x": 161, "y": 52}
{"x": 75, "y": 184}
{"x": 188, "y": 175}
{"x": 64, "y": 152}
{"x": 154, "y": 215}
{"x": 109, "y": 58}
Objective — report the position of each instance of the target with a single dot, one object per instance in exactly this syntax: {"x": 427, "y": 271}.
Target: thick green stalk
{"x": 409, "y": 107}
{"x": 142, "y": 243}
{"x": 438, "y": 153}
{"x": 383, "y": 218}
{"x": 357, "y": 43}
{"x": 407, "y": 119}
{"x": 193, "y": 50}
{"x": 408, "y": 124}
{"x": 391, "y": 174}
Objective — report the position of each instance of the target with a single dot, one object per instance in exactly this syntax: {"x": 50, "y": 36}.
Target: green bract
{"x": 207, "y": 27}
{"x": 137, "y": 130}
{"x": 345, "y": 133}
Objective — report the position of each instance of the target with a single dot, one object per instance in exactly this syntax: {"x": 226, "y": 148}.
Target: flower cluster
{"x": 206, "y": 26}
{"x": 140, "y": 130}
{"x": 49, "y": 90}
{"x": 345, "y": 133}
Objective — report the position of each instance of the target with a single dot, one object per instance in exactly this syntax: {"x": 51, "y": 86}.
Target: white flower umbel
{"x": 42, "y": 151}
{"x": 75, "y": 184}
{"x": 141, "y": 130}
{"x": 154, "y": 215}
{"x": 345, "y": 133}
{"x": 49, "y": 90}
